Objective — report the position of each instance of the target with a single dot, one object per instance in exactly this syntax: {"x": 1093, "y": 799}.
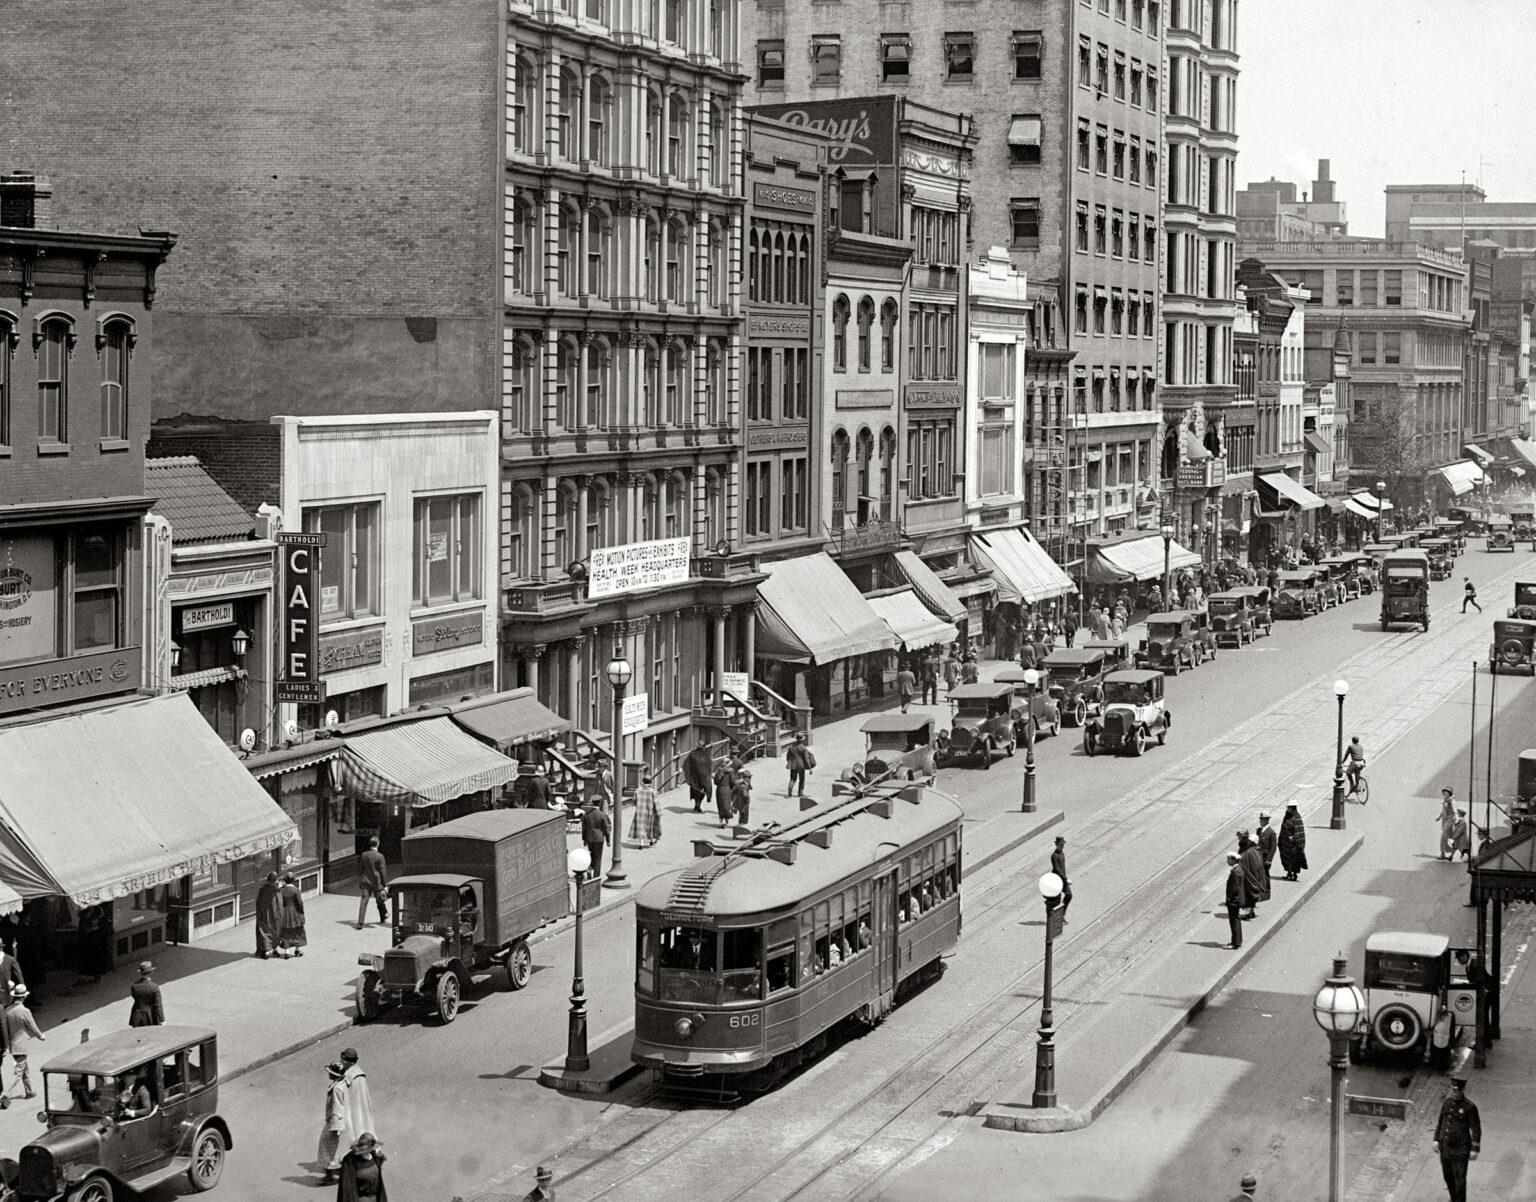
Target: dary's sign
{"x": 300, "y": 678}
{"x": 615, "y": 570}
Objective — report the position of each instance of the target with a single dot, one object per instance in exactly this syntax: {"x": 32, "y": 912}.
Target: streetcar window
{"x": 645, "y": 960}
{"x": 743, "y": 964}
{"x": 781, "y": 969}
{"x": 688, "y": 960}
{"x": 862, "y": 933}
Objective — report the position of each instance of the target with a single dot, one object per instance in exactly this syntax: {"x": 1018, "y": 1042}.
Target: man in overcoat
{"x": 1235, "y": 896}
{"x": 1268, "y": 840}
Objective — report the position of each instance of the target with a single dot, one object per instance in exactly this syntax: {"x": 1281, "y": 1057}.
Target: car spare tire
{"x": 1512, "y": 651}
{"x": 1397, "y": 1028}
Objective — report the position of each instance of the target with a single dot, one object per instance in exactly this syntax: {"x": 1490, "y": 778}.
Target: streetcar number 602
{"x": 746, "y": 1020}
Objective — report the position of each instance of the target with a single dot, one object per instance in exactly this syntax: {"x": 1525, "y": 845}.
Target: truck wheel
{"x": 519, "y": 964}
{"x": 368, "y": 1000}
{"x": 448, "y": 994}
{"x": 207, "y": 1161}
{"x": 97, "y": 1189}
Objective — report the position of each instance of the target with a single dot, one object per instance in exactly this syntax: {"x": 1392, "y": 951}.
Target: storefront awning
{"x": 1479, "y": 453}
{"x": 10, "y": 900}
{"x": 812, "y": 612}
{"x": 980, "y": 587}
{"x": 1024, "y": 573}
{"x": 508, "y": 719}
{"x": 1462, "y": 477}
{"x": 1136, "y": 559}
{"x": 1285, "y": 493}
{"x": 1195, "y": 450}
{"x": 1353, "y": 506}
{"x": 1368, "y": 502}
{"x": 284, "y": 760}
{"x": 1316, "y": 443}
{"x": 102, "y": 803}
{"x": 1526, "y": 449}
{"x": 911, "y": 623}
{"x": 421, "y": 763}
{"x": 936, "y": 595}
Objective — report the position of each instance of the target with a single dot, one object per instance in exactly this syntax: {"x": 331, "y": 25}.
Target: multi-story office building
{"x": 1240, "y": 442}
{"x": 1199, "y": 262}
{"x": 1270, "y": 211}
{"x": 1067, "y": 174}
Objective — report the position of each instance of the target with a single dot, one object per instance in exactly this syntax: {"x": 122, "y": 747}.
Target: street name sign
{"x": 1379, "y": 1108}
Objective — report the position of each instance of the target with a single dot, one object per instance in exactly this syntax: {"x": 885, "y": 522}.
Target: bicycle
{"x": 1358, "y": 787}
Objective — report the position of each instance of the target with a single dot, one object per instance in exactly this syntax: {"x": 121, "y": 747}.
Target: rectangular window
{"x": 997, "y": 460}
{"x": 1100, "y": 310}
{"x": 1100, "y": 230}
{"x": 1392, "y": 290}
{"x": 1136, "y": 9}
{"x": 997, "y": 371}
{"x": 1391, "y": 347}
{"x": 1117, "y": 235}
{"x": 1027, "y": 55}
{"x": 1084, "y": 140}
{"x": 1151, "y": 168}
{"x": 1025, "y": 216}
{"x": 826, "y": 59}
{"x": 1024, "y": 138}
{"x": 96, "y": 599}
{"x": 447, "y": 549}
{"x": 1119, "y": 76}
{"x": 1365, "y": 347}
{"x": 1133, "y": 237}
{"x": 1101, "y": 69}
{"x": 1080, "y": 312}
{"x": 1136, "y": 82}
{"x": 770, "y": 63}
{"x": 1148, "y": 315}
{"x": 793, "y": 501}
{"x": 1084, "y": 63}
{"x": 1101, "y": 150}
{"x": 1368, "y": 289}
{"x": 349, "y": 564}
{"x": 959, "y": 57}
{"x": 1082, "y": 226}
{"x": 1119, "y": 159}
{"x": 895, "y": 57}
{"x": 759, "y": 515}
{"x": 1151, "y": 91}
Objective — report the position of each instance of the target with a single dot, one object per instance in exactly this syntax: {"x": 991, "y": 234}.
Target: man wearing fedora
{"x": 20, "y": 1030}
{"x": 1458, "y": 1137}
{"x": 148, "y": 1011}
{"x": 1247, "y": 1186}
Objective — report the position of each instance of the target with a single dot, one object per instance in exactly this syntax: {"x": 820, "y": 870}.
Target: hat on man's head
{"x": 334, "y": 1070}
{"x": 1263, "y": 816}
{"x": 1459, "y": 1078}
{"x": 146, "y": 966}
{"x": 349, "y": 1056}
{"x": 1249, "y": 1181}
{"x": 1242, "y": 832}
{"x": 18, "y": 992}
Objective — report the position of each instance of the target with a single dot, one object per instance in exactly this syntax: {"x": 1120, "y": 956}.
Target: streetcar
{"x": 748, "y": 957}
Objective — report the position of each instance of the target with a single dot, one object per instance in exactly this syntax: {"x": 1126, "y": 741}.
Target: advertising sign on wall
{"x": 737, "y": 684}
{"x": 860, "y": 133}
{"x": 28, "y": 606}
{"x": 615, "y": 570}
{"x": 300, "y": 636}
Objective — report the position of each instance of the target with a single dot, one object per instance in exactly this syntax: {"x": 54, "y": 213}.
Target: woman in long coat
{"x": 337, "y": 1133}
{"x": 269, "y": 916}
{"x": 645, "y": 827}
{"x": 1447, "y": 825}
{"x": 725, "y": 793}
{"x": 293, "y": 938}
{"x": 362, "y": 1172}
{"x": 1293, "y": 843}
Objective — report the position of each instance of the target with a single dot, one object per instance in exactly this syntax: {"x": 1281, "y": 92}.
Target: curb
{"x": 1041, "y": 823}
{"x": 297, "y": 1045}
{"x": 1008, "y": 1118}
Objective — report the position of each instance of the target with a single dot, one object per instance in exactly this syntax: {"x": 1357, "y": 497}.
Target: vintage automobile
{"x": 1440, "y": 559}
{"x": 896, "y": 747}
{"x": 1076, "y": 677}
{"x": 474, "y": 889}
{"x": 1525, "y": 602}
{"x": 1405, "y": 589}
{"x": 1203, "y": 634}
{"x": 1512, "y": 645}
{"x": 1501, "y": 533}
{"x": 1331, "y": 590}
{"x": 1522, "y": 813}
{"x": 1134, "y": 713}
{"x": 983, "y": 723}
{"x": 1031, "y": 703}
{"x": 1117, "y": 652}
{"x": 1297, "y": 594}
{"x": 1453, "y": 529}
{"x": 1524, "y": 522}
{"x": 1170, "y": 643}
{"x": 1232, "y": 617}
{"x": 1415, "y": 1000}
{"x": 125, "y": 1112}
{"x": 1377, "y": 551}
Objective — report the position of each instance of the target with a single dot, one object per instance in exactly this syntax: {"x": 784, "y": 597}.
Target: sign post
{"x": 300, "y": 636}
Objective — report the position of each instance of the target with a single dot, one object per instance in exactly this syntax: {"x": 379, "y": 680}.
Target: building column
{"x": 530, "y": 655}
{"x": 573, "y": 676}
{"x": 717, "y": 618}
{"x": 750, "y": 637}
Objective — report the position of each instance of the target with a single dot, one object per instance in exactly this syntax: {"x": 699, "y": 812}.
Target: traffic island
{"x": 1109, "y": 1043}
{"x": 609, "y": 1065}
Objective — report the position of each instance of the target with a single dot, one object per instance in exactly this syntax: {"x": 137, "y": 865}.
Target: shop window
{"x": 447, "y": 549}
{"x": 349, "y": 563}
{"x": 96, "y": 590}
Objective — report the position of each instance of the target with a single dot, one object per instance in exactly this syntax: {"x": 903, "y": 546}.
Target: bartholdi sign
{"x": 300, "y": 635}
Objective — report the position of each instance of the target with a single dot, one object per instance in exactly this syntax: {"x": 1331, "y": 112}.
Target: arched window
{"x": 599, "y": 118}
{"x": 600, "y": 386}
{"x": 715, "y": 233}
{"x": 680, "y": 163}
{"x": 676, "y": 521}
{"x": 650, "y": 385}
{"x": 568, "y": 248}
{"x": 523, "y": 250}
{"x": 679, "y": 259}
{"x": 522, "y": 531}
{"x": 1171, "y": 452}
{"x": 523, "y": 104}
{"x": 53, "y": 341}
{"x": 567, "y": 398}
{"x": 719, "y": 150}
{"x": 522, "y": 385}
{"x": 114, "y": 342}
{"x": 866, "y": 452}
{"x": 601, "y": 259}
{"x": 653, "y": 131}
{"x": 791, "y": 271}
{"x": 652, "y": 259}
{"x": 650, "y": 509}
{"x": 839, "y": 479}
{"x": 714, "y": 507}
{"x": 679, "y": 394}
{"x": 779, "y": 295}
{"x": 8, "y": 338}
{"x": 866, "y": 325}
{"x": 887, "y": 472}
{"x": 714, "y": 382}
{"x": 890, "y": 314}
{"x": 840, "y": 311}
{"x": 599, "y": 514}
{"x": 753, "y": 275}
{"x": 567, "y": 131}
{"x": 765, "y": 267}
{"x": 564, "y": 531}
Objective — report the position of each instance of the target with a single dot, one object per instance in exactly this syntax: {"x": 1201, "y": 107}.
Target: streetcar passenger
{"x": 863, "y": 934}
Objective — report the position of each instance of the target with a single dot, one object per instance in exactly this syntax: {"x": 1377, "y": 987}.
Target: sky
{"x": 1392, "y": 92}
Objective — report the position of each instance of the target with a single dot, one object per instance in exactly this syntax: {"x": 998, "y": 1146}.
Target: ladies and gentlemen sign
{"x": 614, "y": 570}
{"x": 301, "y": 626}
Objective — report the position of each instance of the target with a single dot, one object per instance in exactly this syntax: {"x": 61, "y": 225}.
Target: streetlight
{"x": 1337, "y": 1009}
{"x": 1167, "y": 533}
{"x": 1340, "y": 690}
{"x": 578, "y": 860}
{"x": 1051, "y": 886}
{"x": 618, "y": 672}
{"x": 1381, "y": 504}
{"x": 1031, "y": 679}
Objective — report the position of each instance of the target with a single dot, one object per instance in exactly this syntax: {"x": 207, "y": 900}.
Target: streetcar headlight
{"x": 684, "y": 1028}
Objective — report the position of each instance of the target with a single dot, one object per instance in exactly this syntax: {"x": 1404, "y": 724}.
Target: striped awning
{"x": 811, "y": 612}
{"x": 1462, "y": 477}
{"x": 1137, "y": 559}
{"x": 419, "y": 764}
{"x": 1360, "y": 511}
{"x": 1023, "y": 571}
{"x": 911, "y": 623}
{"x": 936, "y": 595}
{"x": 509, "y": 719}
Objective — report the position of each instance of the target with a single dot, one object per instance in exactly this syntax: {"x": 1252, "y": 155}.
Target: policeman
{"x": 1458, "y": 1135}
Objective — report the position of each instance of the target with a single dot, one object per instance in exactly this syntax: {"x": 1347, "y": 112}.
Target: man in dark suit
{"x": 10, "y": 975}
{"x": 595, "y": 832}
{"x": 1059, "y": 867}
{"x": 148, "y": 1010}
{"x": 371, "y": 872}
{"x": 1458, "y": 1137}
{"x": 1236, "y": 896}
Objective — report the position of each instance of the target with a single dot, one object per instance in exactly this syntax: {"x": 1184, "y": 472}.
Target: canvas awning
{"x": 1526, "y": 449}
{"x": 980, "y": 587}
{"x": 421, "y": 763}
{"x": 1195, "y": 450}
{"x": 1479, "y": 453}
{"x": 1368, "y": 502}
{"x": 1024, "y": 131}
{"x": 1462, "y": 477}
{"x": 1316, "y": 443}
{"x": 1285, "y": 493}
{"x": 10, "y": 900}
{"x": 103, "y": 803}
{"x": 292, "y": 759}
{"x": 509, "y": 719}
{"x": 911, "y": 622}
{"x": 1024, "y": 573}
{"x": 1136, "y": 559}
{"x": 936, "y": 595}
{"x": 1360, "y": 511}
{"x": 812, "y": 612}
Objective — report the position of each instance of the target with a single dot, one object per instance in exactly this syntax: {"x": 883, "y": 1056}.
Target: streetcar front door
{"x": 887, "y": 955}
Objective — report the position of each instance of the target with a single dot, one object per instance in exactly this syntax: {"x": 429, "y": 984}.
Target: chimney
{"x": 25, "y": 200}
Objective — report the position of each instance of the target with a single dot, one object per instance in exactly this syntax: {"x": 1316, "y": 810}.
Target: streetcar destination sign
{"x": 1379, "y": 1108}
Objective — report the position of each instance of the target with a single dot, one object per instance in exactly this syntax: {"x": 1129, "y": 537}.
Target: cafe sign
{"x": 299, "y": 679}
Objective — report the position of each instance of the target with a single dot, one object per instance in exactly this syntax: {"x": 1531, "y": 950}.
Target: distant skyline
{"x": 1391, "y": 92}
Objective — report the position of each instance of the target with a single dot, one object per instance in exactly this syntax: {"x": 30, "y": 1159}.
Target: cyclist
{"x": 1354, "y": 762}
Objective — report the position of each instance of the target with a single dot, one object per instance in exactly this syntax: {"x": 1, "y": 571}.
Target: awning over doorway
{"x": 1136, "y": 559}
{"x": 937, "y": 595}
{"x": 1024, "y": 572}
{"x": 102, "y": 803}
{"x": 420, "y": 763}
{"x": 1479, "y": 453}
{"x": 1316, "y": 443}
{"x": 1353, "y": 506}
{"x": 1278, "y": 492}
{"x": 509, "y": 719}
{"x": 1526, "y": 449}
{"x": 1368, "y": 502}
{"x": 10, "y": 900}
{"x": 812, "y": 612}
{"x": 910, "y": 621}
{"x": 1462, "y": 477}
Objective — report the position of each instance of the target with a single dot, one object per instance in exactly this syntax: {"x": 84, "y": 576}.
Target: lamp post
{"x": 1340, "y": 690}
{"x": 1337, "y": 1009}
{"x": 1031, "y": 680}
{"x": 1381, "y": 504}
{"x": 577, "y": 860}
{"x": 1167, "y": 533}
{"x": 618, "y": 672}
{"x": 1045, "y": 1052}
